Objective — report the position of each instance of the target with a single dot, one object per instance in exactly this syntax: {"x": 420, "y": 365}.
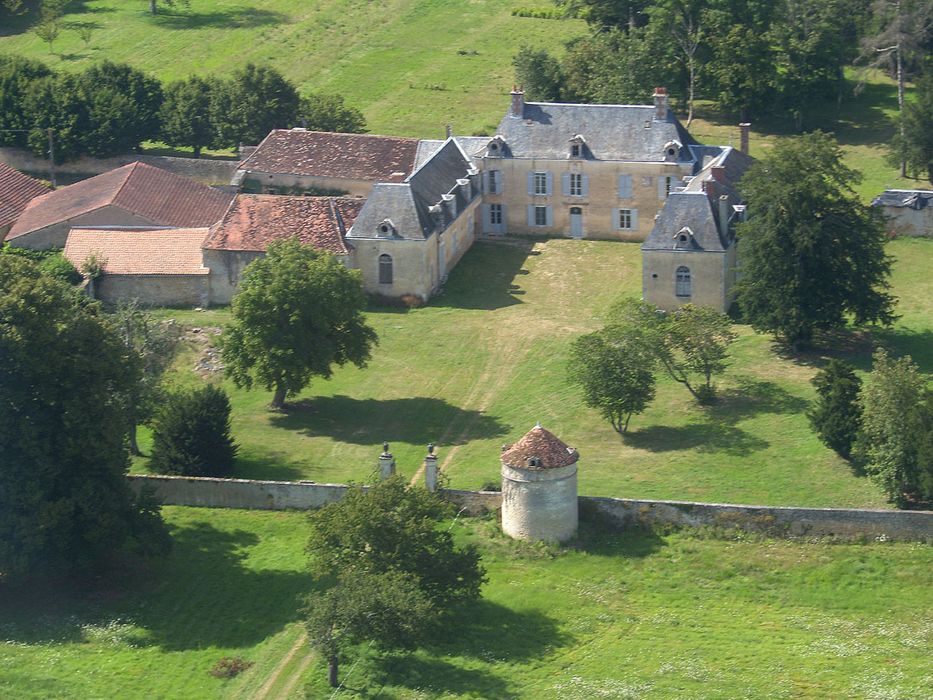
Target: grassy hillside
{"x": 411, "y": 65}
{"x": 487, "y": 358}
{"x": 641, "y": 615}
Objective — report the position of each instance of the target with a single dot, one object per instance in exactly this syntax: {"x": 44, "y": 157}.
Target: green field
{"x": 486, "y": 359}
{"x": 641, "y": 615}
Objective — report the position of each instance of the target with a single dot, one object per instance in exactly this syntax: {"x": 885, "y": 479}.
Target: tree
{"x": 812, "y": 254}
{"x": 691, "y": 343}
{"x": 616, "y": 373}
{"x": 912, "y": 145}
{"x": 155, "y": 343}
{"x": 65, "y": 504}
{"x": 185, "y": 114}
{"x": 154, "y": 4}
{"x": 539, "y": 73}
{"x": 327, "y": 112}
{"x": 394, "y": 527}
{"x": 388, "y": 609}
{"x": 609, "y": 14}
{"x": 55, "y": 103}
{"x": 299, "y": 311}
{"x": 255, "y": 100}
{"x": 48, "y": 30}
{"x": 837, "y": 415}
{"x": 684, "y": 22}
{"x": 123, "y": 106}
{"x": 16, "y": 76}
{"x": 895, "y": 420}
{"x": 191, "y": 434}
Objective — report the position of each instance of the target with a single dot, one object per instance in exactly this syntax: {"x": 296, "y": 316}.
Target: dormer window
{"x": 684, "y": 235}
{"x": 671, "y": 150}
{"x": 386, "y": 228}
{"x": 575, "y": 150}
{"x": 577, "y": 144}
{"x": 496, "y": 147}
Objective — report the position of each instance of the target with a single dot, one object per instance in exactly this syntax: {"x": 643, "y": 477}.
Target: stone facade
{"x": 54, "y": 236}
{"x": 712, "y": 276}
{"x": 154, "y": 290}
{"x": 908, "y": 212}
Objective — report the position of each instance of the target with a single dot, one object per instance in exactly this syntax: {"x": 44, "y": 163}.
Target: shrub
{"x": 837, "y": 416}
{"x": 230, "y": 666}
{"x": 191, "y": 434}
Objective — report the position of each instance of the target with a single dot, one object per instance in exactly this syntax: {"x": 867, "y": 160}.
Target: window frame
{"x": 625, "y": 219}
{"x": 683, "y": 282}
{"x": 495, "y": 214}
{"x": 539, "y": 184}
{"x": 386, "y": 263}
{"x": 541, "y": 215}
{"x": 576, "y": 185}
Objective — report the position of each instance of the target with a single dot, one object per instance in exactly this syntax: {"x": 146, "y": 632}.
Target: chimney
{"x": 718, "y": 173}
{"x": 449, "y": 130}
{"x": 386, "y": 463}
{"x": 518, "y": 103}
{"x": 743, "y": 137}
{"x": 660, "y": 104}
{"x": 430, "y": 469}
{"x": 724, "y": 209}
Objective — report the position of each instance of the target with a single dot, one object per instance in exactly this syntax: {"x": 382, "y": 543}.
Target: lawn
{"x": 486, "y": 359}
{"x": 647, "y": 615}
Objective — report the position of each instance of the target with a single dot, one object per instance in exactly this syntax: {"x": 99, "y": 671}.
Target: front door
{"x": 576, "y": 222}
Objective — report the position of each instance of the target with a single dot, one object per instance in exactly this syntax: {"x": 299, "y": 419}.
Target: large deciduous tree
{"x": 327, "y": 112}
{"x": 812, "y": 254}
{"x": 394, "y": 527}
{"x": 298, "y": 313}
{"x": 539, "y": 74}
{"x": 253, "y": 102}
{"x": 616, "y": 373}
{"x": 65, "y": 504}
{"x": 912, "y": 146}
{"x": 16, "y": 76}
{"x": 186, "y": 114}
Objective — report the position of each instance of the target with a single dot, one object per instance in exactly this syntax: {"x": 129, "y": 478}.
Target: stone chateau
{"x": 404, "y": 211}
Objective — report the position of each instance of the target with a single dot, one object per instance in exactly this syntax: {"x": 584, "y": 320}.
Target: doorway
{"x": 576, "y": 222}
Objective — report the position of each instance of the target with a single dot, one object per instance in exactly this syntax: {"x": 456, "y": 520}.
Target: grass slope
{"x": 486, "y": 359}
{"x": 641, "y": 615}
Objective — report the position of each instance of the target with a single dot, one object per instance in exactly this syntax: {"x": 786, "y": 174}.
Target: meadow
{"x": 487, "y": 358}
{"x": 411, "y": 66}
{"x": 643, "y": 614}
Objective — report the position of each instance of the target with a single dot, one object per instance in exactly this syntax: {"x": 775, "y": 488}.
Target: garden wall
{"x": 843, "y": 523}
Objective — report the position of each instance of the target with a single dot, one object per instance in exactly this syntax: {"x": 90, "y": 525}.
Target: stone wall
{"x": 210, "y": 171}
{"x": 711, "y": 278}
{"x": 843, "y": 523}
{"x": 154, "y": 290}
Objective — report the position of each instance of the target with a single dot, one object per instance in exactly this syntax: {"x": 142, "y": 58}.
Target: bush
{"x": 191, "y": 434}
{"x": 230, "y": 666}
{"x": 837, "y": 416}
{"x": 59, "y": 267}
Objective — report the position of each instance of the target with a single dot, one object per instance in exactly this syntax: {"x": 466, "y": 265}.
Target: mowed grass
{"x": 412, "y": 66}
{"x": 487, "y": 359}
{"x": 636, "y": 614}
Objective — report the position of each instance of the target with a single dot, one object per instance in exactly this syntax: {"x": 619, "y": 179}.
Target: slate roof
{"x": 912, "y": 199}
{"x": 611, "y": 132}
{"x": 129, "y": 251}
{"x": 255, "y": 220}
{"x": 326, "y": 154}
{"x": 543, "y": 445}
{"x": 408, "y": 204}
{"x": 16, "y": 191}
{"x": 152, "y": 193}
{"x": 472, "y": 146}
{"x": 696, "y": 207}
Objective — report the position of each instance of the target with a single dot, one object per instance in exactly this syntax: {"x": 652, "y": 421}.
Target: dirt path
{"x": 297, "y": 675}
{"x": 273, "y": 678}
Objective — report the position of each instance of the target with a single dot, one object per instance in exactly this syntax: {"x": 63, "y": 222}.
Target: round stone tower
{"x": 539, "y": 488}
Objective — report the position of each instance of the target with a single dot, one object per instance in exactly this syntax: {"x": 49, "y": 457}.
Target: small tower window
{"x": 682, "y": 284}
{"x": 385, "y": 269}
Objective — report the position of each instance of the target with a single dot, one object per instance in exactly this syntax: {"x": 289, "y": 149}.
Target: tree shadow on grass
{"x": 202, "y": 595}
{"x": 719, "y": 431}
{"x": 417, "y": 420}
{"x": 485, "y": 277}
{"x": 231, "y": 18}
{"x": 253, "y": 463}
{"x": 904, "y": 341}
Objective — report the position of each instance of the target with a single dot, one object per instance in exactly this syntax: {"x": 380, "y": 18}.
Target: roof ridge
{"x": 126, "y": 179}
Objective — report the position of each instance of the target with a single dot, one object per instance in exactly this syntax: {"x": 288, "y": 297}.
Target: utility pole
{"x": 52, "y": 157}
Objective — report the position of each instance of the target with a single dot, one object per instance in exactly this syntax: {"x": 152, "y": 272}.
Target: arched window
{"x": 385, "y": 269}
{"x": 682, "y": 286}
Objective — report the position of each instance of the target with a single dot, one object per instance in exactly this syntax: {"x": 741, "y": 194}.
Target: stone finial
{"x": 385, "y": 448}
{"x": 430, "y": 469}
{"x": 430, "y": 448}
{"x": 386, "y": 462}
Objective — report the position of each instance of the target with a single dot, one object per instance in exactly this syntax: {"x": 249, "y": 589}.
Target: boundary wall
{"x": 842, "y": 523}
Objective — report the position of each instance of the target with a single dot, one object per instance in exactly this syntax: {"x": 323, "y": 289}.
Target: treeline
{"x": 112, "y": 108}
{"x": 752, "y": 57}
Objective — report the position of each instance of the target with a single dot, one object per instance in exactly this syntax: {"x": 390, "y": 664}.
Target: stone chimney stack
{"x": 430, "y": 469}
{"x": 743, "y": 137}
{"x": 517, "y": 109}
{"x": 660, "y": 104}
{"x": 724, "y": 210}
{"x": 386, "y": 463}
{"x": 449, "y": 130}
{"x": 718, "y": 173}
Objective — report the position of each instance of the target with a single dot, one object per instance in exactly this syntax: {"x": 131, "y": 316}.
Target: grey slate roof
{"x": 472, "y": 146}
{"x": 611, "y": 132}
{"x": 696, "y": 207}
{"x": 408, "y": 204}
{"x": 913, "y": 199}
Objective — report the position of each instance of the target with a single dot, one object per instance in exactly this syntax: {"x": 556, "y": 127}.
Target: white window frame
{"x": 576, "y": 184}
{"x": 625, "y": 219}
{"x": 495, "y": 214}
{"x": 539, "y": 183}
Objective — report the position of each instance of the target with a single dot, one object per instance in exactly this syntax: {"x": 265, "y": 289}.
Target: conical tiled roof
{"x": 542, "y": 446}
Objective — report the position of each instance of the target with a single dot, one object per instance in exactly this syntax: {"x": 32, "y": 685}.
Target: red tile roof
{"x": 162, "y": 197}
{"x": 175, "y": 251}
{"x": 255, "y": 220}
{"x": 326, "y": 154}
{"x": 542, "y": 444}
{"x": 16, "y": 191}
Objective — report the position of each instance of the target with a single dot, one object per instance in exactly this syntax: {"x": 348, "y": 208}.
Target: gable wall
{"x": 712, "y": 276}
